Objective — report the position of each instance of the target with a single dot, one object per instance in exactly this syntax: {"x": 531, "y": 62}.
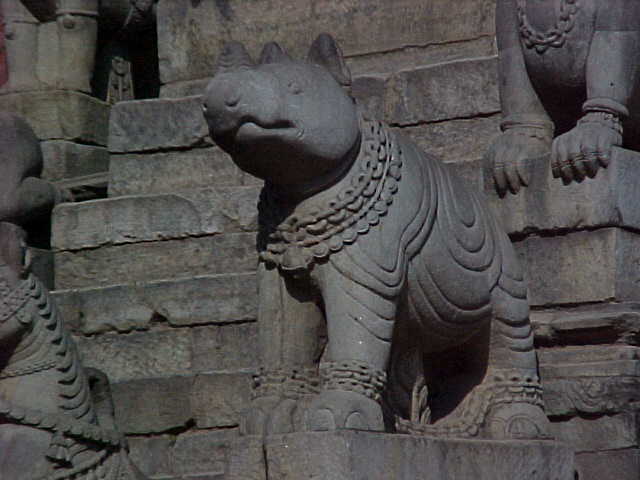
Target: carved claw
{"x": 271, "y": 416}
{"x": 336, "y": 409}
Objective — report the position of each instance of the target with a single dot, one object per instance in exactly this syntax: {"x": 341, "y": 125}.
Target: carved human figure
{"x": 569, "y": 67}
{"x": 377, "y": 247}
{"x": 72, "y": 38}
{"x": 52, "y": 425}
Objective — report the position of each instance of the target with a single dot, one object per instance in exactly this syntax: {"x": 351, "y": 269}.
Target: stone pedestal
{"x": 354, "y": 455}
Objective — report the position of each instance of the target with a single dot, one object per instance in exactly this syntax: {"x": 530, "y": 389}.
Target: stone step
{"x": 149, "y": 173}
{"x": 146, "y": 218}
{"x": 460, "y": 89}
{"x": 149, "y": 261}
{"x": 375, "y": 35}
{"x": 61, "y": 115}
{"x": 611, "y": 199}
{"x": 204, "y": 299}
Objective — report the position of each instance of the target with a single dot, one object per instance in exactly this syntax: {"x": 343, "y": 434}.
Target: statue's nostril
{"x": 232, "y": 100}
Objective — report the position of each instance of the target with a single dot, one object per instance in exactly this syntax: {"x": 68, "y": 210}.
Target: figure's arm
{"x": 32, "y": 198}
{"x": 520, "y": 104}
{"x": 526, "y": 126}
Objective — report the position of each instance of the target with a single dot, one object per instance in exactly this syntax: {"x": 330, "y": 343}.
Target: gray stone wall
{"x": 157, "y": 280}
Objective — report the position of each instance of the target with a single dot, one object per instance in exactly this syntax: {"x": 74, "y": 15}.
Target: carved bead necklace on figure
{"x": 555, "y": 36}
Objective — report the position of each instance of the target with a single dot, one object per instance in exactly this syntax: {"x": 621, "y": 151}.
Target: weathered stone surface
{"x": 147, "y": 261}
{"x": 588, "y": 324}
{"x": 451, "y": 141}
{"x": 610, "y": 199}
{"x": 585, "y": 266}
{"x": 152, "y": 454}
{"x": 135, "y": 174}
{"x": 155, "y": 217}
{"x": 217, "y": 400}
{"x": 605, "y": 432}
{"x": 152, "y": 405}
{"x": 362, "y": 27}
{"x": 454, "y": 90}
{"x": 198, "y": 300}
{"x": 157, "y": 124}
{"x": 61, "y": 114}
{"x": 139, "y": 355}
{"x": 203, "y": 455}
{"x": 185, "y": 88}
{"x": 356, "y": 455}
{"x": 612, "y": 465}
{"x": 63, "y": 160}
{"x": 224, "y": 347}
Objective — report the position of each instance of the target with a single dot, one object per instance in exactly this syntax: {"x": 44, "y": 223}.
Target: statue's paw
{"x": 509, "y": 155}
{"x": 337, "y": 409}
{"x": 579, "y": 153}
{"x": 517, "y": 421}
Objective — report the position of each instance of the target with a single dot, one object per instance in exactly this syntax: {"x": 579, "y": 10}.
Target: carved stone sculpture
{"x": 73, "y": 40}
{"x": 572, "y": 66}
{"x": 376, "y": 262}
{"x": 52, "y": 425}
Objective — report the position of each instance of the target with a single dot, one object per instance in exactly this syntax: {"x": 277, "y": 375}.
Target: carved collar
{"x": 295, "y": 244}
{"x": 555, "y": 36}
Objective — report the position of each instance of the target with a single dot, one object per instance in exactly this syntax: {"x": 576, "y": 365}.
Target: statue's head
{"x": 286, "y": 121}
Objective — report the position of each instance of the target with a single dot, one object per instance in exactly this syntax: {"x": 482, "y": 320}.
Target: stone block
{"x": 146, "y": 218}
{"x": 586, "y": 266}
{"x": 157, "y": 124}
{"x": 588, "y": 324}
{"x": 219, "y": 348}
{"x": 453, "y": 90}
{"x": 152, "y": 455}
{"x": 202, "y": 454}
{"x": 457, "y": 141}
{"x": 138, "y": 355}
{"x": 603, "y": 432}
{"x": 151, "y": 261}
{"x": 198, "y": 300}
{"x": 152, "y": 405}
{"x": 613, "y": 465}
{"x": 61, "y": 115}
{"x": 218, "y": 400}
{"x": 355, "y": 455}
{"x": 610, "y": 199}
{"x": 362, "y": 27}
{"x": 185, "y": 88}
{"x": 135, "y": 174}
{"x": 64, "y": 160}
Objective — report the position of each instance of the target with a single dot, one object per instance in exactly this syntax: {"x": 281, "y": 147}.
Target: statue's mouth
{"x": 252, "y": 131}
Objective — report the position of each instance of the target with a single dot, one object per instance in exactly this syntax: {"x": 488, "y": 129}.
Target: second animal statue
{"x": 385, "y": 283}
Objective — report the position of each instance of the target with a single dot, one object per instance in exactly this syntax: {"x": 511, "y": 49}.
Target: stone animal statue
{"x": 375, "y": 259}
{"x": 52, "y": 425}
{"x": 569, "y": 66}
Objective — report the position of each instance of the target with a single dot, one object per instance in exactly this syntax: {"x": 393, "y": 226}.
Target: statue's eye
{"x": 294, "y": 87}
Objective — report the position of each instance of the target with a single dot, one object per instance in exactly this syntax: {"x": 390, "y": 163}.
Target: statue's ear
{"x": 273, "y": 53}
{"x": 326, "y": 52}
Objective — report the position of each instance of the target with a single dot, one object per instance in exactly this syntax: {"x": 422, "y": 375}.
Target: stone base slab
{"x": 355, "y": 455}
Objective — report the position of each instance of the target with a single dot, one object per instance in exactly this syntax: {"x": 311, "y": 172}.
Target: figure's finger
{"x": 500, "y": 178}
{"x": 604, "y": 150}
{"x": 513, "y": 179}
{"x": 578, "y": 164}
{"x": 591, "y": 163}
{"x": 523, "y": 171}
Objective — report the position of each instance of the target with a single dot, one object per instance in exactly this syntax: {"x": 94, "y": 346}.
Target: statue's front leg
{"x": 290, "y": 325}
{"x": 360, "y": 326}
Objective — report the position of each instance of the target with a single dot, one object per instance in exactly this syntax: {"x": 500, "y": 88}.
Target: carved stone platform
{"x": 354, "y": 455}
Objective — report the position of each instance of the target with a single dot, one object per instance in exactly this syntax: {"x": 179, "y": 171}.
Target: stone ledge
{"x": 610, "y": 199}
{"x": 206, "y": 299}
{"x": 61, "y": 115}
{"x": 144, "y": 218}
{"x": 157, "y": 124}
{"x": 353, "y": 455}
